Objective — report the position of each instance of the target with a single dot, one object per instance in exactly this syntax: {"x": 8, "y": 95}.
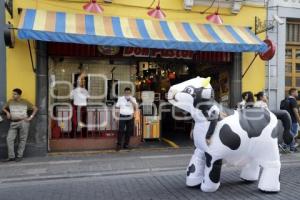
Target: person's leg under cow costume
{"x": 195, "y": 169}
{"x": 202, "y": 164}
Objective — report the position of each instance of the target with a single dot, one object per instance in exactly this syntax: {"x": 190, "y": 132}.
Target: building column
{"x": 3, "y": 84}
{"x": 2, "y": 55}
{"x": 236, "y": 80}
{"x": 39, "y": 130}
{"x": 275, "y": 70}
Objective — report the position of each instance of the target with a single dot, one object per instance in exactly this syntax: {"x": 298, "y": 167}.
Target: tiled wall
{"x": 63, "y": 71}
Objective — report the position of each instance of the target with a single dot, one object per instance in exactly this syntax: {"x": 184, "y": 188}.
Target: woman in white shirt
{"x": 261, "y": 100}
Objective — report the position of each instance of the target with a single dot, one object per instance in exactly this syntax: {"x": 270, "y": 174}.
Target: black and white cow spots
{"x": 229, "y": 138}
{"x": 191, "y": 169}
{"x": 254, "y": 120}
{"x": 215, "y": 172}
{"x": 208, "y": 159}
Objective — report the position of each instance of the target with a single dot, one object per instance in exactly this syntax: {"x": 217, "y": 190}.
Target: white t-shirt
{"x": 126, "y": 107}
{"x": 80, "y": 96}
{"x": 242, "y": 104}
{"x": 260, "y": 104}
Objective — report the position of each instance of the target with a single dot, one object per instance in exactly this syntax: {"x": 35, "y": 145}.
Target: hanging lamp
{"x": 157, "y": 12}
{"x": 93, "y": 6}
{"x": 215, "y": 17}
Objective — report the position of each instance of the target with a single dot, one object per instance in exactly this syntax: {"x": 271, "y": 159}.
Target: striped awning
{"x": 119, "y": 31}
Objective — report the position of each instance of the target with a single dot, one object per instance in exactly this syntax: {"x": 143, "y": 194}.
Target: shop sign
{"x": 108, "y": 50}
{"x": 154, "y": 53}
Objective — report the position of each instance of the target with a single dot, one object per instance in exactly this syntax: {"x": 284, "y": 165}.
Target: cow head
{"x": 189, "y": 94}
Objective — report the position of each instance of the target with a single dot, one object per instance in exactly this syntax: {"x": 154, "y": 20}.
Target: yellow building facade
{"x": 19, "y": 67}
{"x": 50, "y": 134}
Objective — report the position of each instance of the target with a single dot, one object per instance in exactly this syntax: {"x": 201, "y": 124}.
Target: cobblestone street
{"x": 150, "y": 177}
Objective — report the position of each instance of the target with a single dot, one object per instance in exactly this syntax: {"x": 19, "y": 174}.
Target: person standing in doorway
{"x": 127, "y": 105}
{"x": 16, "y": 110}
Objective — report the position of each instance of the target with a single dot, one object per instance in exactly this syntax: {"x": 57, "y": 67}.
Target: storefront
{"x": 150, "y": 71}
{"x": 150, "y": 54}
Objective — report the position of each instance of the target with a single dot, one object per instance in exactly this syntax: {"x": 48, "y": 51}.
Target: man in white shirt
{"x": 79, "y": 96}
{"x": 127, "y": 105}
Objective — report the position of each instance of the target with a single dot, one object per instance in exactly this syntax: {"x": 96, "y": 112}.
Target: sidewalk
{"x": 90, "y": 164}
{"x": 94, "y": 164}
{"x": 131, "y": 175}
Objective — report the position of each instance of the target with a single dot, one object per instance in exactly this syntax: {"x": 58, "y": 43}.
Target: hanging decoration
{"x": 215, "y": 17}
{"x": 157, "y": 12}
{"x": 270, "y": 52}
{"x": 93, "y": 6}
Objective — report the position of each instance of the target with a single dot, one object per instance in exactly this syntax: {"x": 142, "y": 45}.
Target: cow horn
{"x": 206, "y": 82}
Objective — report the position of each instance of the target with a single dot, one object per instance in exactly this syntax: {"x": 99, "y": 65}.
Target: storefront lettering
{"x": 154, "y": 53}
{"x": 137, "y": 52}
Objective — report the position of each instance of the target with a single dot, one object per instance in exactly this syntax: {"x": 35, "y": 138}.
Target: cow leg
{"x": 267, "y": 156}
{"x": 212, "y": 172}
{"x": 269, "y": 179}
{"x": 195, "y": 170}
{"x": 250, "y": 172}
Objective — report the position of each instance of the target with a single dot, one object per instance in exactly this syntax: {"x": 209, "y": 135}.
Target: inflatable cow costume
{"x": 246, "y": 137}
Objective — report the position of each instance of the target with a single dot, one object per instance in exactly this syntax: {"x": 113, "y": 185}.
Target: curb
{"x": 93, "y": 174}
{"x": 75, "y": 153}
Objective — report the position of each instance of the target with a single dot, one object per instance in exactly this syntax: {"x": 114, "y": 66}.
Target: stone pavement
{"x": 129, "y": 175}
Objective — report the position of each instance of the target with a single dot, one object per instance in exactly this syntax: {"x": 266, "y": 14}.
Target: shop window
{"x": 288, "y": 81}
{"x": 298, "y": 82}
{"x": 297, "y": 67}
{"x": 292, "y": 66}
{"x": 293, "y": 32}
{"x": 288, "y": 67}
{"x": 288, "y": 53}
{"x": 298, "y": 54}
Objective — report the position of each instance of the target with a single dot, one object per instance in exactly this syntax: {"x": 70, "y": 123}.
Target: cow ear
{"x": 206, "y": 82}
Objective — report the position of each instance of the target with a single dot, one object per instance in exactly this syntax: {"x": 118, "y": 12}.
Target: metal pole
{"x": 269, "y": 79}
{"x": 2, "y": 55}
{"x": 269, "y": 66}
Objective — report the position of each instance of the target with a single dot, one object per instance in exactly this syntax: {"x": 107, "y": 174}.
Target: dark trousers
{"x": 79, "y": 115}
{"x": 126, "y": 124}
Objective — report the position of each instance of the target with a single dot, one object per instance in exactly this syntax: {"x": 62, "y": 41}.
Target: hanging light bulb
{"x": 93, "y": 6}
{"x": 157, "y": 12}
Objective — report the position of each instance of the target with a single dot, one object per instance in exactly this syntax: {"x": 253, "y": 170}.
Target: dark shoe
{"x": 9, "y": 160}
{"x": 126, "y": 147}
{"x": 118, "y": 148}
{"x": 19, "y": 159}
{"x": 294, "y": 150}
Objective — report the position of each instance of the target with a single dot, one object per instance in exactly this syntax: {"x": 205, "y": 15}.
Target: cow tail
{"x": 286, "y": 120}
